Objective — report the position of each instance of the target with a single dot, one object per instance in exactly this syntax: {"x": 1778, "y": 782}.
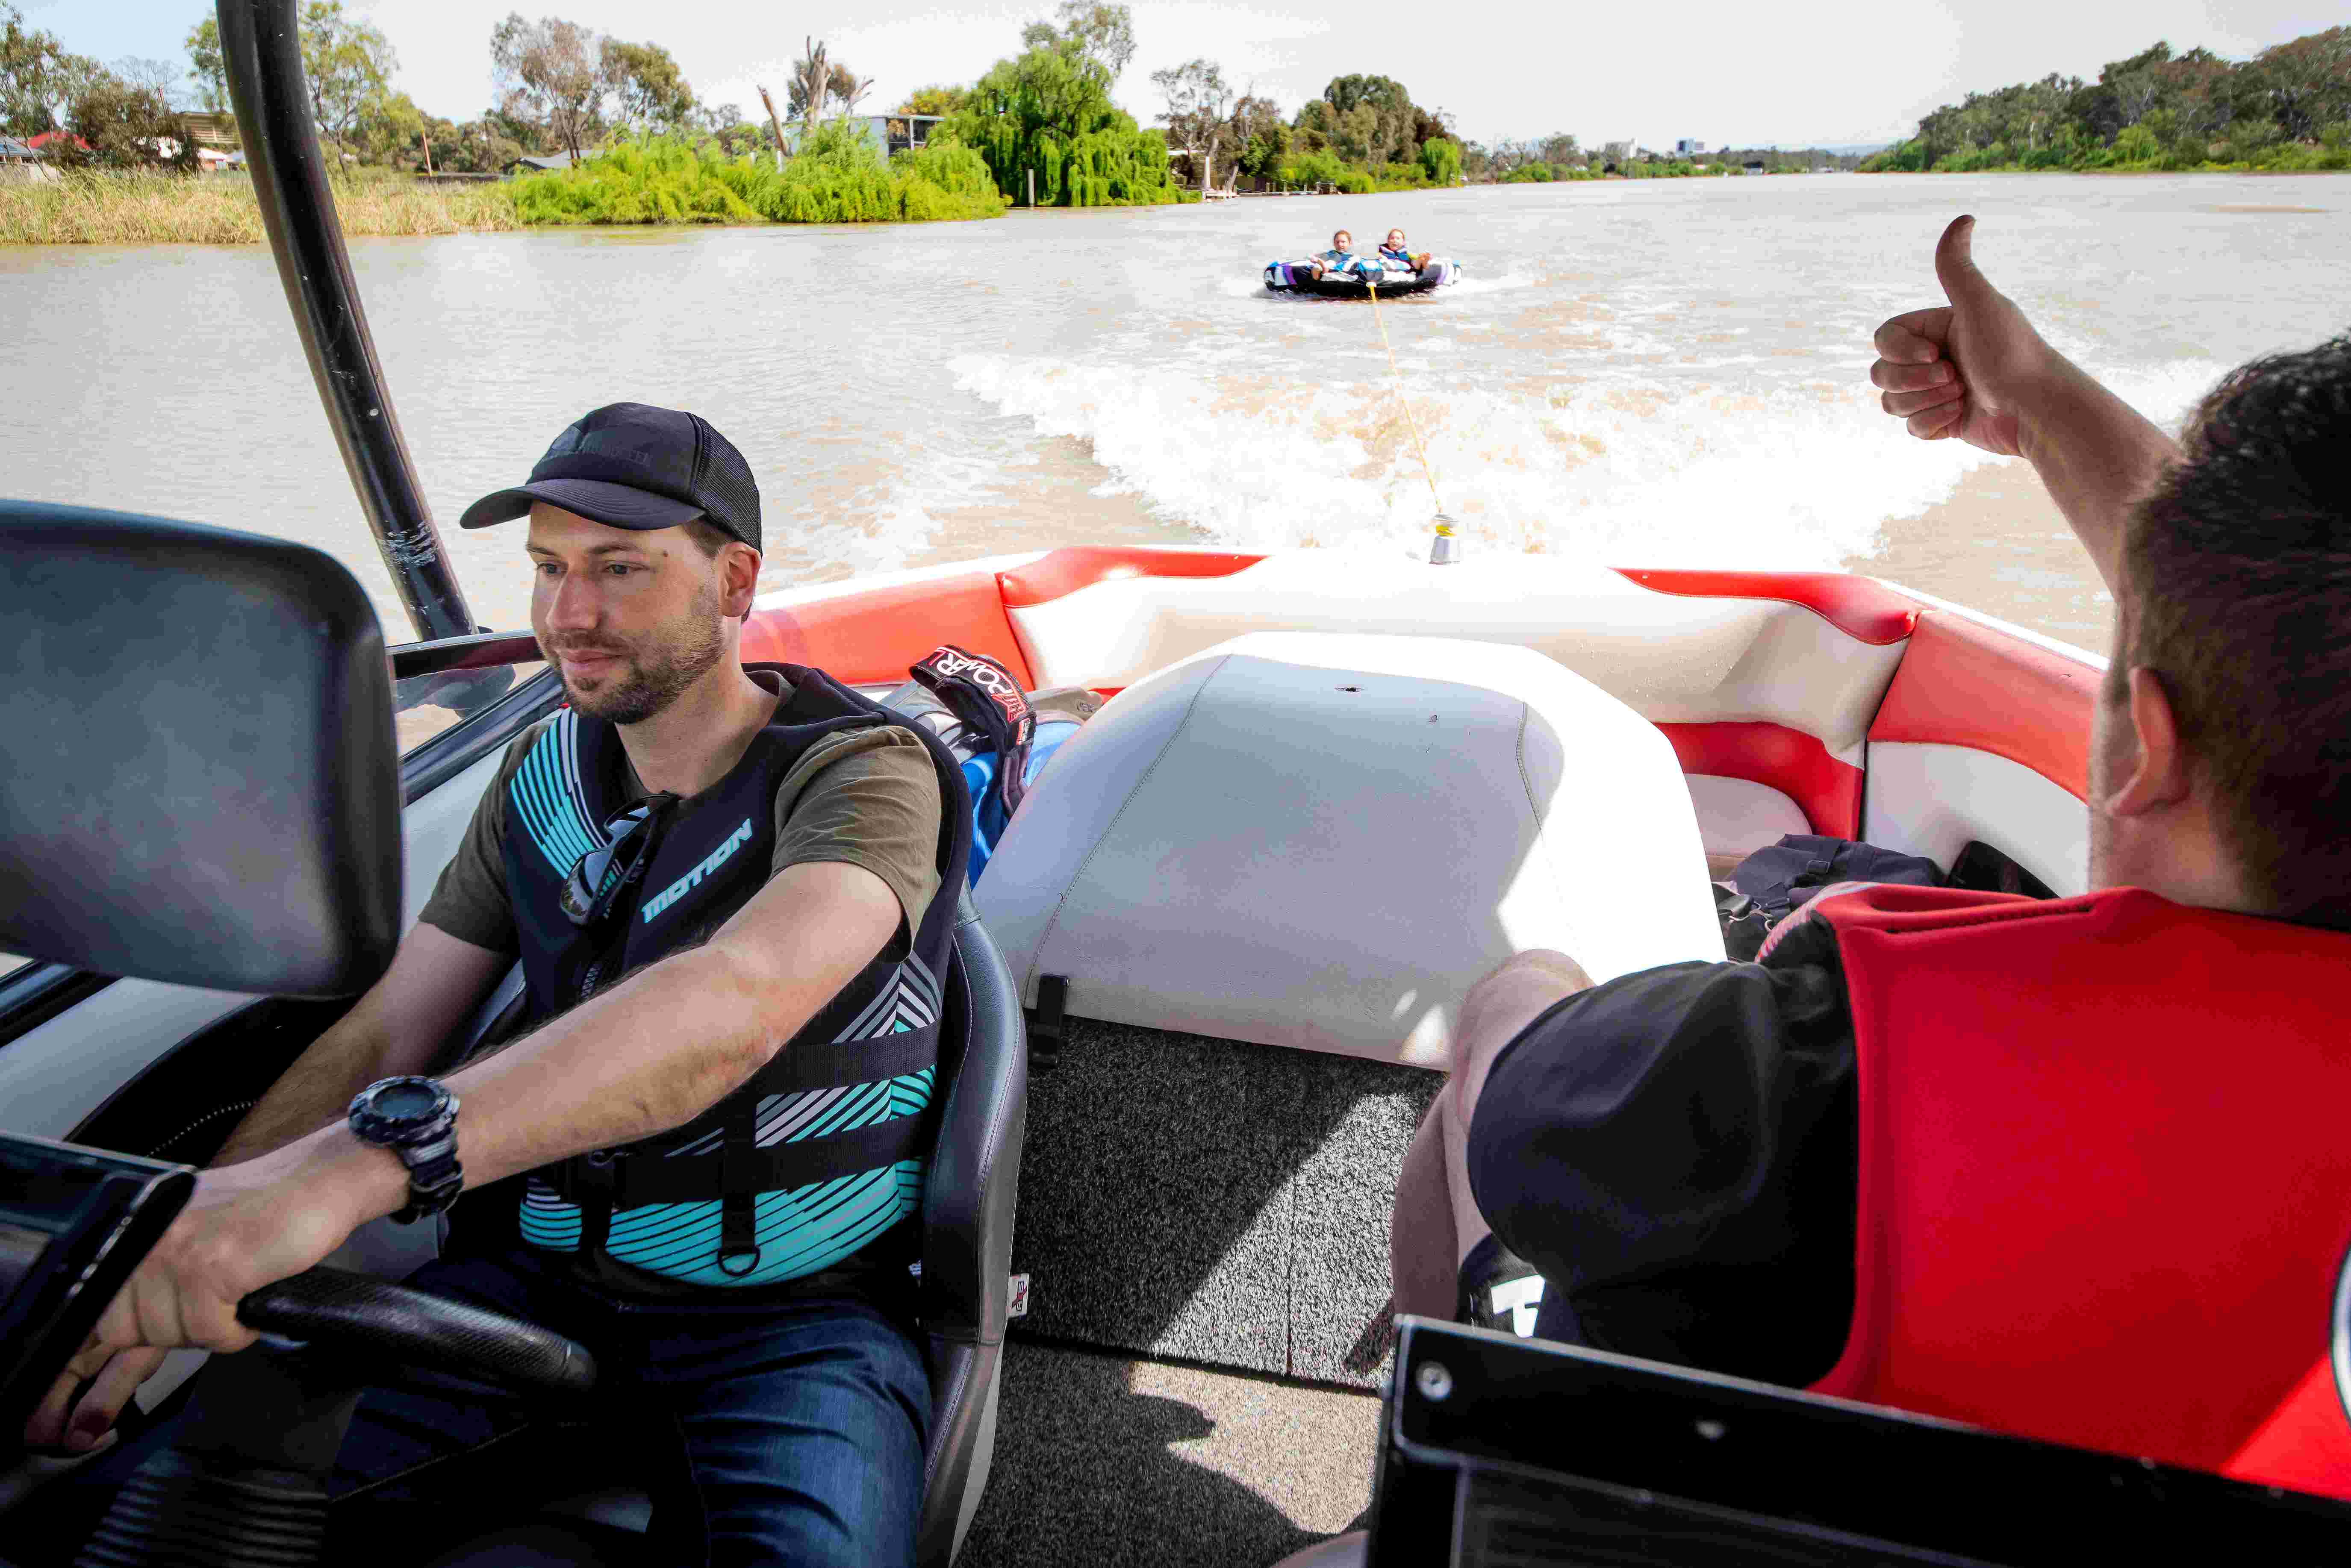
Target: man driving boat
{"x": 708, "y": 1128}
{"x": 1675, "y": 1151}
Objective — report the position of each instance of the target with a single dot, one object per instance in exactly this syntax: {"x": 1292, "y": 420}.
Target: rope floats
{"x": 1444, "y": 550}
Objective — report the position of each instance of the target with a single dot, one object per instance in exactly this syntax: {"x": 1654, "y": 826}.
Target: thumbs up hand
{"x": 1963, "y": 369}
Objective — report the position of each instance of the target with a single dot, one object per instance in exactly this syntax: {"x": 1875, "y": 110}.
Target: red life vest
{"x": 2104, "y": 1175}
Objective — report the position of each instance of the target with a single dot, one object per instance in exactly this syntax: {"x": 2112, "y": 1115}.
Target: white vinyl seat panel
{"x": 1677, "y": 659}
{"x": 1320, "y": 840}
{"x": 1736, "y": 817}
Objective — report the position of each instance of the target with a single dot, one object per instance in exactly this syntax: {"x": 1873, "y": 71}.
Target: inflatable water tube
{"x": 1297, "y": 278}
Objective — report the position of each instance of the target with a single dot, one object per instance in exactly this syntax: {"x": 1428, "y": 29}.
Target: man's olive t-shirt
{"x": 867, "y": 797}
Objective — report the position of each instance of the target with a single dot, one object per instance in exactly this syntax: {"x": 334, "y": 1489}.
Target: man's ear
{"x": 2162, "y": 775}
{"x": 739, "y": 577}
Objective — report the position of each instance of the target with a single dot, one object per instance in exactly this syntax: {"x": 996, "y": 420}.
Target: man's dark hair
{"x": 2238, "y": 571}
{"x": 709, "y": 538}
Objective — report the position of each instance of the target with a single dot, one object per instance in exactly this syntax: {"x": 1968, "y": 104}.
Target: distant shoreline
{"x": 215, "y": 210}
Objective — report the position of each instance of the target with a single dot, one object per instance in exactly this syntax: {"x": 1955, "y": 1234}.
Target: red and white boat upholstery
{"x": 1794, "y": 701}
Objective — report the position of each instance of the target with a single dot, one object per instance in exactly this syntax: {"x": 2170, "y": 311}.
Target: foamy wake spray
{"x": 1444, "y": 548}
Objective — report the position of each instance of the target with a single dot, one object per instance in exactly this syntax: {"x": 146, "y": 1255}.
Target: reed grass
{"x": 113, "y": 207}
{"x": 842, "y": 179}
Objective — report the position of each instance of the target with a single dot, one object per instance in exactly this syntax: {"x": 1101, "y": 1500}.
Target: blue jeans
{"x": 766, "y": 1433}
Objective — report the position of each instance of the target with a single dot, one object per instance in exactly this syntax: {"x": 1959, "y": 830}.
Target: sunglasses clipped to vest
{"x": 604, "y": 878}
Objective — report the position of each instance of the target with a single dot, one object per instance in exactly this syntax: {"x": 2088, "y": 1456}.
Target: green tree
{"x": 38, "y": 76}
{"x": 649, "y": 94}
{"x": 1049, "y": 112}
{"x": 1198, "y": 101}
{"x": 1259, "y": 135}
{"x": 207, "y": 68}
{"x": 1099, "y": 33}
{"x": 548, "y": 74}
{"x": 2305, "y": 84}
{"x": 736, "y": 134}
{"x": 483, "y": 146}
{"x": 127, "y": 126}
{"x": 348, "y": 63}
{"x": 934, "y": 100}
{"x": 1440, "y": 160}
{"x": 1356, "y": 134}
{"x": 1394, "y": 116}
{"x": 389, "y": 128}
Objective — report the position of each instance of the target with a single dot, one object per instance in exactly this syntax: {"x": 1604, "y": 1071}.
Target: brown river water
{"x": 1663, "y": 373}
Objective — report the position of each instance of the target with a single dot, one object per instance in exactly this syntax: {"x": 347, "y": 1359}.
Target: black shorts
{"x": 1674, "y": 1151}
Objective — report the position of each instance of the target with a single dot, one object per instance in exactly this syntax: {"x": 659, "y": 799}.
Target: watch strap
{"x": 434, "y": 1175}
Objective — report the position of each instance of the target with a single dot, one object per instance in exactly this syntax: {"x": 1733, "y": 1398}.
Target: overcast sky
{"x": 1830, "y": 71}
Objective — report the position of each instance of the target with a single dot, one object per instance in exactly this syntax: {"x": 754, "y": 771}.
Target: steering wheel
{"x": 245, "y": 1482}
{"x": 333, "y": 1308}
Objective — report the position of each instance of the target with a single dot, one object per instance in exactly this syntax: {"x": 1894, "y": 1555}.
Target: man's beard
{"x": 657, "y": 668}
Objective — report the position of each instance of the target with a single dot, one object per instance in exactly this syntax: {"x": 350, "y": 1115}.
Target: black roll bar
{"x": 262, "y": 47}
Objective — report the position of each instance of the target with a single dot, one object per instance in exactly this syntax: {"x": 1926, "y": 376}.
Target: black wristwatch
{"x": 416, "y": 1119}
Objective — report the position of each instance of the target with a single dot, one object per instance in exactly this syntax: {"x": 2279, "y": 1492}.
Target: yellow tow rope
{"x": 1444, "y": 524}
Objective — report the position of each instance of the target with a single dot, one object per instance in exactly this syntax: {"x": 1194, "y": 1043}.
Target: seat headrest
{"x": 202, "y": 783}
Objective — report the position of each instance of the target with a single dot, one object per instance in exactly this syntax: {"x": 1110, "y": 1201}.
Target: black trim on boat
{"x": 187, "y": 1090}
{"x": 482, "y": 651}
{"x": 261, "y": 47}
{"x": 451, "y": 752}
{"x": 39, "y": 992}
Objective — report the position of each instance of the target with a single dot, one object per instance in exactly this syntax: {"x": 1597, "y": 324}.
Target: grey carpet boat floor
{"x": 1101, "y": 1461}
{"x": 1213, "y": 1202}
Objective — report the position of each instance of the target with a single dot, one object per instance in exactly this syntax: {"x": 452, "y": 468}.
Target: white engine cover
{"x": 1320, "y": 839}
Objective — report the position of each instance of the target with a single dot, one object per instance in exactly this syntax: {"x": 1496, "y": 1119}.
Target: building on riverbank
{"x": 548, "y": 163}
{"x": 22, "y": 164}
{"x": 888, "y": 133}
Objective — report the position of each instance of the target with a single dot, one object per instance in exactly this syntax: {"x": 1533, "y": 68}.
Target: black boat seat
{"x": 200, "y": 784}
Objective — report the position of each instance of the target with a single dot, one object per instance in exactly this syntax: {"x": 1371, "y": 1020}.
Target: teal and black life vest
{"x": 824, "y": 1148}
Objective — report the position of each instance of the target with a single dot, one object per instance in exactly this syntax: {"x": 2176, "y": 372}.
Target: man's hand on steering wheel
{"x": 246, "y": 1225}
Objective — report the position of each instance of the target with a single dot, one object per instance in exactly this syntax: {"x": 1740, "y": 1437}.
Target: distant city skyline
{"x": 1830, "y": 74}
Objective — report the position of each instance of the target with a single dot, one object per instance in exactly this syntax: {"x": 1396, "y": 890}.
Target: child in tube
{"x": 1394, "y": 252}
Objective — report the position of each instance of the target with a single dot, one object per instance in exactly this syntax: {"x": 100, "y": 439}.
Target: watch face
{"x": 405, "y": 1102}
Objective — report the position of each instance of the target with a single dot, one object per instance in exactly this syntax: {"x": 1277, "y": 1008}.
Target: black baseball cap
{"x": 632, "y": 465}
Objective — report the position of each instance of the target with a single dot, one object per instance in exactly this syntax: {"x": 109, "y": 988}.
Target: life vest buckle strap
{"x": 840, "y": 1063}
{"x": 776, "y": 1167}
{"x": 588, "y": 1176}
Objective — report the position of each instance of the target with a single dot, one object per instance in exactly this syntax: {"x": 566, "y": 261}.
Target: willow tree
{"x": 1048, "y": 113}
